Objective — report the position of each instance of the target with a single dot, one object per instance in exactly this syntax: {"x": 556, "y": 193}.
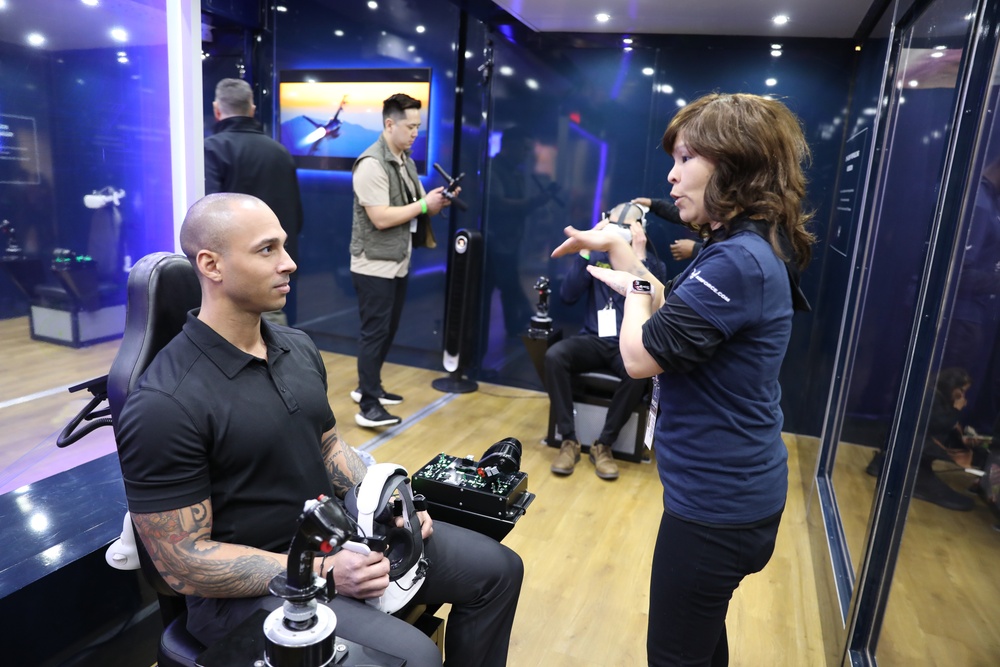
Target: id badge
{"x": 413, "y": 226}
{"x": 607, "y": 323}
{"x": 654, "y": 404}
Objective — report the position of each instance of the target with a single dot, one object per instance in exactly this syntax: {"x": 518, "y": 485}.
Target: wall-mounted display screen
{"x": 330, "y": 116}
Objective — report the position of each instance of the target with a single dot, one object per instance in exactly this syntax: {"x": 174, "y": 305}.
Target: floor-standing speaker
{"x": 461, "y": 318}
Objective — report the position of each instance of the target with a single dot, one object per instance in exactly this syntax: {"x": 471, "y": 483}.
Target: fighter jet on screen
{"x": 324, "y": 131}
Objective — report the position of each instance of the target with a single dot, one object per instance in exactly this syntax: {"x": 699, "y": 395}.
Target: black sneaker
{"x": 875, "y": 465}
{"x": 930, "y": 488}
{"x": 385, "y": 399}
{"x": 376, "y": 416}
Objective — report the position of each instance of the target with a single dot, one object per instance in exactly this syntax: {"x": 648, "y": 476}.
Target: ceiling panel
{"x": 807, "y": 18}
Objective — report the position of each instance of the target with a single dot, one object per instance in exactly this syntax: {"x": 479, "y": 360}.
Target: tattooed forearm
{"x": 180, "y": 545}
{"x": 343, "y": 465}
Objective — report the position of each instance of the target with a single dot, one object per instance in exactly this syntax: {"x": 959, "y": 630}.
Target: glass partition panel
{"x": 923, "y": 100}
{"x": 939, "y": 610}
{"x": 85, "y": 189}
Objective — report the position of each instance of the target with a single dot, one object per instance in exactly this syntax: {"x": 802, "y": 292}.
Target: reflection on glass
{"x": 526, "y": 202}
{"x": 943, "y": 587}
{"x": 85, "y": 189}
{"x": 922, "y": 103}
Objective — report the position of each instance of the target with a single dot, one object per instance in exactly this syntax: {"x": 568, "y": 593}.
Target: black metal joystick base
{"x": 308, "y": 646}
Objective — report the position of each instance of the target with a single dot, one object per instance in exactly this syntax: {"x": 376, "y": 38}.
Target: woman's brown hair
{"x": 758, "y": 149}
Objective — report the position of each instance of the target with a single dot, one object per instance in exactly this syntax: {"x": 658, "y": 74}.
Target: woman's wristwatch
{"x": 640, "y": 287}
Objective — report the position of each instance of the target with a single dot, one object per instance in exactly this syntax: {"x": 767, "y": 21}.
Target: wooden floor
{"x": 586, "y": 543}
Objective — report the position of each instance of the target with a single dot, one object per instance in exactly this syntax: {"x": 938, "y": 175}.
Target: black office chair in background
{"x": 162, "y": 288}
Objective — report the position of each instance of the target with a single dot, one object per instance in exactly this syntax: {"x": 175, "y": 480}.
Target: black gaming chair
{"x": 162, "y": 288}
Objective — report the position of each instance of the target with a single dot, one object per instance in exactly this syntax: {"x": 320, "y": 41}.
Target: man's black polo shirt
{"x": 207, "y": 420}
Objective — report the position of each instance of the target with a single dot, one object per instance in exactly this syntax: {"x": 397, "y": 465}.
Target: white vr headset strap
{"x": 372, "y": 498}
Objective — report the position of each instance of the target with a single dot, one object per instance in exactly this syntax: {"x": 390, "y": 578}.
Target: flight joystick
{"x": 301, "y": 632}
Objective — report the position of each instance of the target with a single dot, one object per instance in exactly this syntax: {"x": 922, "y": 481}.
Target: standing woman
{"x": 713, "y": 340}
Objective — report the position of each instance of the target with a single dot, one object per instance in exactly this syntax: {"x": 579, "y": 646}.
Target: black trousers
{"x": 480, "y": 577}
{"x": 380, "y": 304}
{"x": 580, "y": 354}
{"x": 696, "y": 569}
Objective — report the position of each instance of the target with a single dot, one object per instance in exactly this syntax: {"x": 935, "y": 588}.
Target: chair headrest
{"x": 162, "y": 288}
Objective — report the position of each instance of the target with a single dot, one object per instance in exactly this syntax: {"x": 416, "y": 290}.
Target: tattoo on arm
{"x": 343, "y": 465}
{"x": 180, "y": 545}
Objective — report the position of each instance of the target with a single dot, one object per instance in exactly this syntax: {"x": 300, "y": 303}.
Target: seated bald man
{"x": 229, "y": 431}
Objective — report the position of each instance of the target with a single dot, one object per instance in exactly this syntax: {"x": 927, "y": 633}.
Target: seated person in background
{"x": 944, "y": 441}
{"x": 595, "y": 349}
{"x": 681, "y": 249}
{"x": 229, "y": 431}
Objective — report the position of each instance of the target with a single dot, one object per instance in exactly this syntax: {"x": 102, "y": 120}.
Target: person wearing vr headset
{"x": 714, "y": 341}
{"x": 229, "y": 431}
{"x": 680, "y": 249}
{"x": 595, "y": 347}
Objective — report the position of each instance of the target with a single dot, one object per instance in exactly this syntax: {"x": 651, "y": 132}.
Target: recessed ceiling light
{"x": 940, "y": 47}
{"x": 603, "y": 18}
{"x": 421, "y": 28}
{"x": 506, "y": 70}
{"x": 3, "y": 4}
{"x": 281, "y": 8}
{"x": 372, "y": 4}
{"x": 119, "y": 34}
{"x": 667, "y": 88}
{"x": 531, "y": 83}
{"x": 36, "y": 39}
{"x": 338, "y": 32}
{"x": 627, "y": 40}
{"x": 90, "y": 3}
{"x": 681, "y": 102}
{"x": 775, "y": 53}
{"x": 780, "y": 19}
{"x": 937, "y": 54}
{"x": 648, "y": 71}
{"x": 771, "y": 82}
{"x": 914, "y": 83}
{"x": 776, "y": 46}
{"x": 123, "y": 59}
{"x": 411, "y": 48}
{"x": 627, "y": 49}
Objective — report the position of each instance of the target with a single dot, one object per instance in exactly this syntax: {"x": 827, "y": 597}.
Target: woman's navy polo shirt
{"x": 718, "y": 432}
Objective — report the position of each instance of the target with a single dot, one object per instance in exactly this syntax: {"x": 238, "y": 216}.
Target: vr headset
{"x": 620, "y": 220}
{"x": 375, "y": 503}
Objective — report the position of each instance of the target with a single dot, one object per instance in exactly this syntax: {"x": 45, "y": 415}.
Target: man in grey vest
{"x": 388, "y": 200}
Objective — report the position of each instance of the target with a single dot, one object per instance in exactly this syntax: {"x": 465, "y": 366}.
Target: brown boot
{"x": 604, "y": 464}
{"x": 569, "y": 454}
